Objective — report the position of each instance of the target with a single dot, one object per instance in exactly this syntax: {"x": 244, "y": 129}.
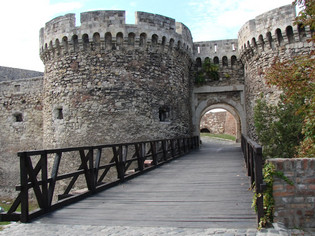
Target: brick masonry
{"x": 295, "y": 205}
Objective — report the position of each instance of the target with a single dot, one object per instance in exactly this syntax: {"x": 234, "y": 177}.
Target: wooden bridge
{"x": 206, "y": 187}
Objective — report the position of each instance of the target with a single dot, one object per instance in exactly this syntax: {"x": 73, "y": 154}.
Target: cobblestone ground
{"x": 18, "y": 229}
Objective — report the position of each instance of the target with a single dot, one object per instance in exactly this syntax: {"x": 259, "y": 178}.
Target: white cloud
{"x": 214, "y": 20}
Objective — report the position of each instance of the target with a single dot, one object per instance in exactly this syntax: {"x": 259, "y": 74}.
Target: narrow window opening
{"x": 96, "y": 41}
{"x": 65, "y": 44}
{"x": 216, "y": 60}
{"x": 224, "y": 61}
{"x": 233, "y": 60}
{"x": 131, "y": 39}
{"x": 279, "y": 36}
{"x": 290, "y": 34}
{"x": 143, "y": 40}
{"x": 171, "y": 43}
{"x": 163, "y": 41}
{"x": 59, "y": 113}
{"x": 164, "y": 113}
{"x": 198, "y": 50}
{"x": 17, "y": 88}
{"x": 198, "y": 62}
{"x": 75, "y": 42}
{"x": 108, "y": 41}
{"x": 233, "y": 47}
{"x": 261, "y": 42}
{"x": 302, "y": 32}
{"x": 119, "y": 39}
{"x": 270, "y": 40}
{"x": 86, "y": 42}
{"x": 215, "y": 48}
{"x": 154, "y": 40}
{"x": 18, "y": 117}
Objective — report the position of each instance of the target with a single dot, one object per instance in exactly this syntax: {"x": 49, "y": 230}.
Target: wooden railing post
{"x": 173, "y": 148}
{"x": 164, "y": 147}
{"x": 254, "y": 162}
{"x": 154, "y": 156}
{"x": 259, "y": 183}
{"x": 44, "y": 180}
{"x": 24, "y": 188}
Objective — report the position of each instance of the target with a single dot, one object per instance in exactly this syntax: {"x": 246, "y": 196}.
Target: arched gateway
{"x": 230, "y": 98}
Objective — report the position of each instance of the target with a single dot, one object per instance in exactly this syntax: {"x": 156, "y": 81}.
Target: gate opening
{"x": 218, "y": 123}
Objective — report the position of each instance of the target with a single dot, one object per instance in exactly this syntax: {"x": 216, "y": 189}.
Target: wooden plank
{"x": 207, "y": 188}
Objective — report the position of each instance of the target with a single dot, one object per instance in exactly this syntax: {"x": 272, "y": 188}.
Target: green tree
{"x": 209, "y": 71}
{"x": 279, "y": 128}
{"x": 296, "y": 78}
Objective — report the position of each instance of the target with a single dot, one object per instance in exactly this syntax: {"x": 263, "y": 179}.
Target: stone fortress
{"x": 110, "y": 82}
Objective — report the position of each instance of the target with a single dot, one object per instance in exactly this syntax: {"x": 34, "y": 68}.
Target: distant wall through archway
{"x": 218, "y": 121}
{"x": 228, "y": 98}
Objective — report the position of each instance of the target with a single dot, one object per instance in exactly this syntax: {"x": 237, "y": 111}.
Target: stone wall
{"x": 8, "y": 73}
{"x": 107, "y": 81}
{"x": 261, "y": 40}
{"x": 219, "y": 123}
{"x": 295, "y": 205}
{"x": 21, "y": 127}
{"x": 225, "y": 55}
{"x": 112, "y": 82}
{"x": 230, "y": 124}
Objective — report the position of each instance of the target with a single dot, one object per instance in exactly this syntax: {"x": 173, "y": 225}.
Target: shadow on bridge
{"x": 205, "y": 188}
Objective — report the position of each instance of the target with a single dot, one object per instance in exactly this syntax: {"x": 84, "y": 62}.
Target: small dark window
{"x": 224, "y": 61}
{"x": 108, "y": 41}
{"x": 290, "y": 34}
{"x": 163, "y": 41}
{"x": 279, "y": 36}
{"x": 143, "y": 40}
{"x": 18, "y": 117}
{"x": 216, "y": 60}
{"x": 270, "y": 40}
{"x": 302, "y": 33}
{"x": 261, "y": 42}
{"x": 17, "y": 88}
{"x": 131, "y": 39}
{"x": 164, "y": 113}
{"x": 198, "y": 62}
{"x": 59, "y": 113}
{"x": 154, "y": 40}
{"x": 233, "y": 60}
{"x": 119, "y": 39}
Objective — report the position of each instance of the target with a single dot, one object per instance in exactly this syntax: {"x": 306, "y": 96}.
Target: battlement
{"x": 271, "y": 30}
{"x": 107, "y": 30}
{"x": 218, "y": 51}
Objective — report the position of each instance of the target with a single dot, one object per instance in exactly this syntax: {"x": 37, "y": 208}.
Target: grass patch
{"x": 221, "y": 136}
{"x": 6, "y": 204}
{"x": 5, "y": 207}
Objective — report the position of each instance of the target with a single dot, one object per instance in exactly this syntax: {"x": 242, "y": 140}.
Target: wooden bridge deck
{"x": 206, "y": 188}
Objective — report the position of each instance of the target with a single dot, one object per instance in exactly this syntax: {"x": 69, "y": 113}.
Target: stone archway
{"x": 229, "y": 98}
{"x": 229, "y": 109}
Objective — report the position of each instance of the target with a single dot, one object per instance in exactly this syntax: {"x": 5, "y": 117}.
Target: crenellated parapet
{"x": 107, "y": 30}
{"x": 221, "y": 52}
{"x": 260, "y": 41}
{"x": 271, "y": 31}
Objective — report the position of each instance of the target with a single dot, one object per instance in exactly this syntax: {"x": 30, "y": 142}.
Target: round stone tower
{"x": 107, "y": 82}
{"x": 270, "y": 35}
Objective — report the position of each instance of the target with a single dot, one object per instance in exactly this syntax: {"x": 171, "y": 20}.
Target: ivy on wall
{"x": 208, "y": 72}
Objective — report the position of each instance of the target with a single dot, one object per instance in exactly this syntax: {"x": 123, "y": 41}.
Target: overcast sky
{"x": 20, "y": 20}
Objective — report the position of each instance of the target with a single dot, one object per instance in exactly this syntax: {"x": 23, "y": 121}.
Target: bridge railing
{"x": 78, "y": 172}
{"x": 252, "y": 152}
